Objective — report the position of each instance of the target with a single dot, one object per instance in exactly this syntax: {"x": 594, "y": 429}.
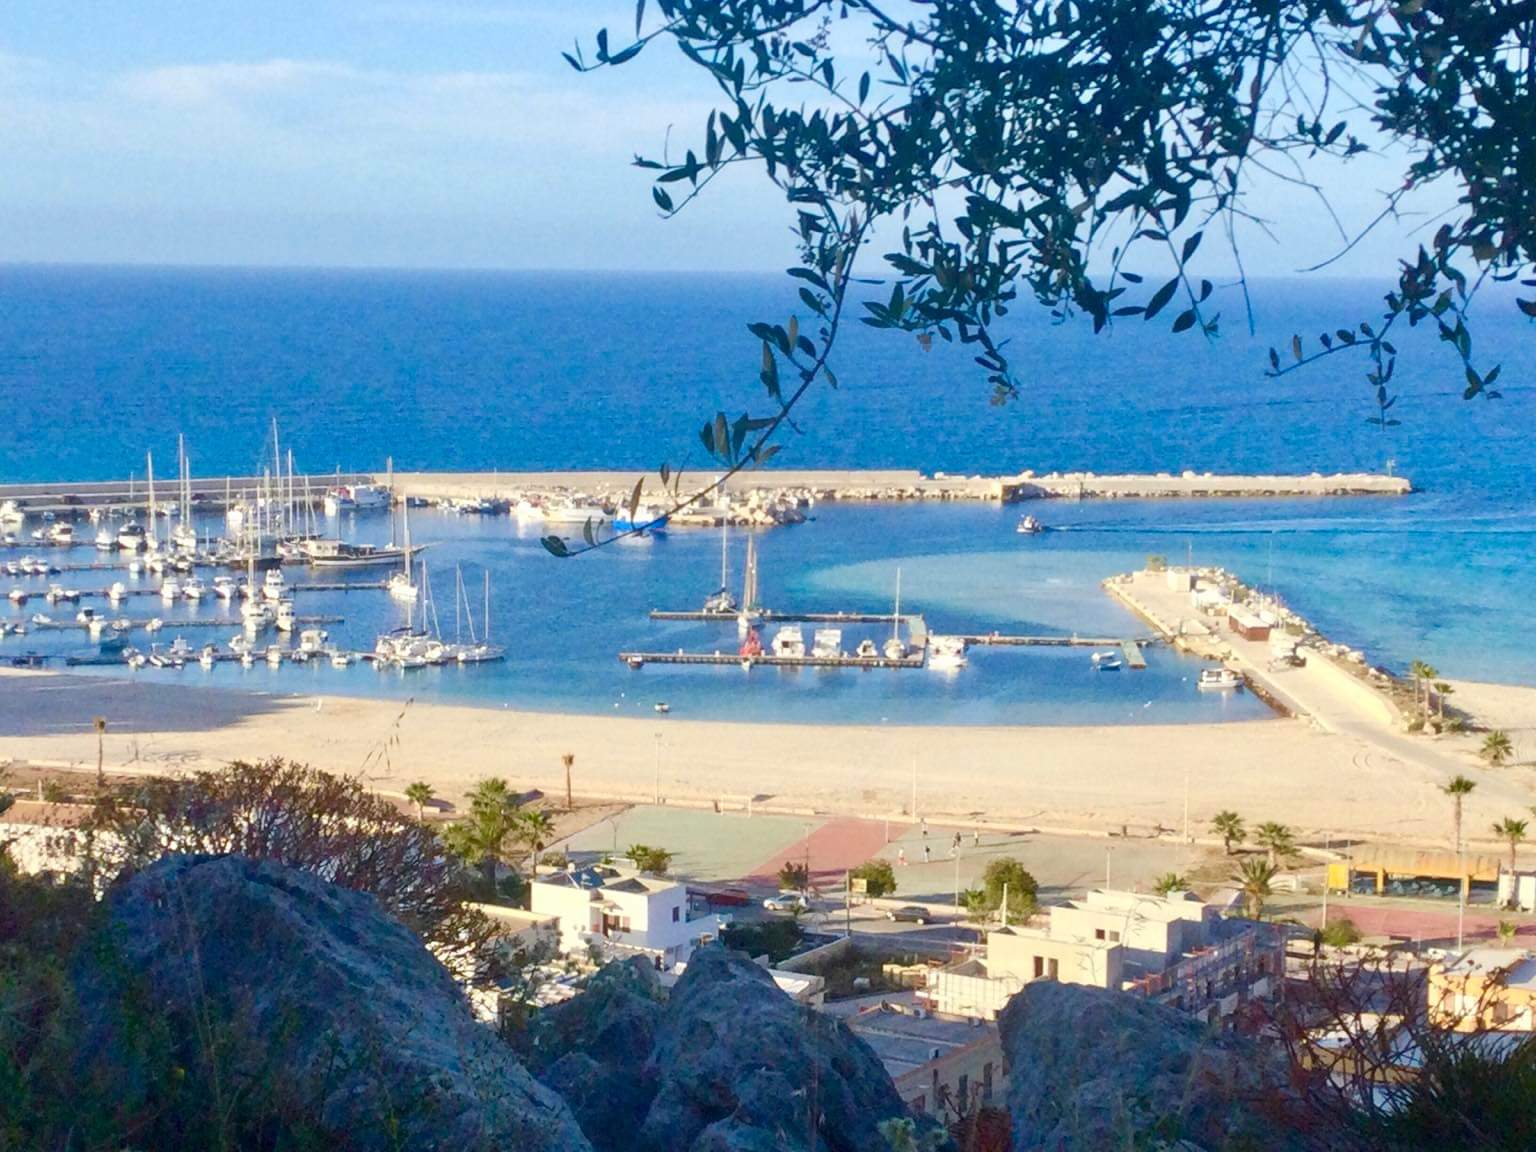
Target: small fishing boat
{"x": 340, "y": 659}
{"x": 284, "y": 618}
{"x": 1029, "y": 526}
{"x": 170, "y": 589}
{"x": 789, "y": 641}
{"x": 106, "y": 540}
{"x": 313, "y": 640}
{"x": 646, "y": 518}
{"x": 62, "y": 534}
{"x": 1219, "y": 680}
{"x": 11, "y": 515}
{"x": 827, "y": 642}
{"x": 1109, "y": 664}
{"x": 131, "y": 538}
{"x": 1104, "y": 655}
{"x": 193, "y": 588}
{"x": 576, "y": 512}
{"x": 224, "y": 588}
{"x": 117, "y": 592}
{"x": 274, "y": 655}
{"x": 207, "y": 657}
{"x": 946, "y": 653}
{"x": 273, "y": 586}
{"x": 867, "y": 650}
{"x": 663, "y": 707}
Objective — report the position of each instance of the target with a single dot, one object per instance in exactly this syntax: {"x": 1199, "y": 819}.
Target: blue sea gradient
{"x": 533, "y": 371}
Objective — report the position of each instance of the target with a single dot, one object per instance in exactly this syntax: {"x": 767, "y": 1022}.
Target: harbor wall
{"x": 848, "y": 485}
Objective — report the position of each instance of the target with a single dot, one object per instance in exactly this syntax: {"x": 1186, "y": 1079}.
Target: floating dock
{"x": 639, "y": 659}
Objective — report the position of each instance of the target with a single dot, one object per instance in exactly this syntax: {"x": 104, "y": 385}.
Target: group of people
{"x": 954, "y": 847}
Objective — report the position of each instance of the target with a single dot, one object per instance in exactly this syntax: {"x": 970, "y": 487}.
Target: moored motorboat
{"x": 1219, "y": 680}
{"x": 946, "y": 653}
{"x": 1029, "y": 526}
{"x": 789, "y": 641}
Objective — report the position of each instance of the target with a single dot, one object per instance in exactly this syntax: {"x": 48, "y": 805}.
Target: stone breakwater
{"x": 896, "y": 485}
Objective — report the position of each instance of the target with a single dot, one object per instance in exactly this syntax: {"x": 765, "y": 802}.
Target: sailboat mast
{"x": 149, "y": 466}
{"x": 896, "y": 615}
{"x": 487, "y": 605}
{"x": 725, "y": 529}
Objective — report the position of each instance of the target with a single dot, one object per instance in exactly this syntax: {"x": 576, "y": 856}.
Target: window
{"x": 1114, "y": 937}
{"x": 676, "y": 915}
{"x": 1053, "y": 970}
{"x": 1039, "y": 967}
{"x": 1098, "y": 933}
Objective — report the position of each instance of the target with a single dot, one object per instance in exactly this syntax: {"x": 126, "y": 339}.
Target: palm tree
{"x": 1277, "y": 840}
{"x": 1513, "y": 831}
{"x": 100, "y": 724}
{"x": 1422, "y": 674}
{"x": 569, "y": 759}
{"x": 420, "y": 794}
{"x": 1170, "y": 882}
{"x": 1507, "y": 930}
{"x": 1229, "y": 826}
{"x": 1442, "y": 690}
{"x": 1254, "y": 879}
{"x": 1497, "y": 747}
{"x": 535, "y": 830}
{"x": 1458, "y": 790}
{"x": 480, "y": 838}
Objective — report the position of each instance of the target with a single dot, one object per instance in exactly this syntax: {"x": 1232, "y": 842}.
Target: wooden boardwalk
{"x": 639, "y": 659}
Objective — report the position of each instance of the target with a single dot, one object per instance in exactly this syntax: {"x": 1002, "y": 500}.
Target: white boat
{"x": 576, "y": 512}
{"x": 1219, "y": 680}
{"x": 62, "y": 534}
{"x": 274, "y": 655}
{"x": 207, "y": 656}
{"x": 946, "y": 653}
{"x": 11, "y": 515}
{"x": 273, "y": 586}
{"x": 239, "y": 644}
{"x": 246, "y": 660}
{"x": 313, "y": 640}
{"x": 1029, "y": 526}
{"x": 154, "y": 625}
{"x": 336, "y": 554}
{"x": 356, "y": 497}
{"x": 131, "y": 538}
{"x": 1104, "y": 656}
{"x": 193, "y": 588}
{"x": 400, "y": 586}
{"x": 894, "y": 648}
{"x": 224, "y": 588}
{"x": 87, "y": 616}
{"x": 827, "y": 642}
{"x": 58, "y": 594}
{"x": 789, "y": 641}
{"x": 284, "y": 618}
{"x": 866, "y": 650}
{"x": 255, "y": 613}
{"x": 340, "y": 659}
{"x": 170, "y": 589}
{"x": 527, "y": 512}
{"x": 1109, "y": 663}
{"x": 106, "y": 541}
{"x": 647, "y": 518}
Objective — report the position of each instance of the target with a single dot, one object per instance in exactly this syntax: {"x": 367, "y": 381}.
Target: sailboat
{"x": 750, "y": 615}
{"x": 184, "y": 535}
{"x": 400, "y": 585}
{"x": 479, "y": 651}
{"x": 722, "y": 601}
{"x": 893, "y": 648}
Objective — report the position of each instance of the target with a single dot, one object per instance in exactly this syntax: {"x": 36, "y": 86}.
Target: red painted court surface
{"x": 1422, "y": 923}
{"x": 831, "y": 849}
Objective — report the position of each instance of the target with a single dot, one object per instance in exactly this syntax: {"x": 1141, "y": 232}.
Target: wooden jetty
{"x": 1130, "y": 649}
{"x": 767, "y": 616}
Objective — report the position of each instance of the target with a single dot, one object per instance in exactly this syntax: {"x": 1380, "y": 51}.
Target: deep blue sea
{"x": 530, "y": 371}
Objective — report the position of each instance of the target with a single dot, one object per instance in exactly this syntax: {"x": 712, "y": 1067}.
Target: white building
{"x": 1174, "y": 949}
{"x": 622, "y": 911}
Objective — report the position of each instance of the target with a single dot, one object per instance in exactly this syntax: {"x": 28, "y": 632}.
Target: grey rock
{"x": 740, "y": 1067}
{"x": 1092, "y": 1069}
{"x": 594, "y": 1051}
{"x": 331, "y": 1015}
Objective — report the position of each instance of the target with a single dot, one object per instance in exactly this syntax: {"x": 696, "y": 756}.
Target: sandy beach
{"x": 1089, "y": 779}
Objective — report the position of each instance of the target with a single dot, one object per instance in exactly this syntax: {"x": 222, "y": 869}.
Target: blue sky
{"x": 395, "y": 133}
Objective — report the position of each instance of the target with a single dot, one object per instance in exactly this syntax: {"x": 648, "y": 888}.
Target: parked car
{"x": 909, "y": 913}
{"x": 787, "y": 902}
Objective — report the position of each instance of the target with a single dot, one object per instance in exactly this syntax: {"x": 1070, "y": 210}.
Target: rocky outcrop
{"x": 728, "y": 1064}
{"x": 1090, "y": 1069}
{"x": 595, "y": 1052}
{"x": 295, "y": 1002}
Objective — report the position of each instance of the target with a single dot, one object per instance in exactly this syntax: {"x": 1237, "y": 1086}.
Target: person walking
{"x": 901, "y": 857}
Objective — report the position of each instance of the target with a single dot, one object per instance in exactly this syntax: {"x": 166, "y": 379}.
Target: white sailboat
{"x": 750, "y": 615}
{"x": 184, "y": 535}
{"x": 722, "y": 601}
{"x": 401, "y": 586}
{"x": 894, "y": 648}
{"x": 479, "y": 651}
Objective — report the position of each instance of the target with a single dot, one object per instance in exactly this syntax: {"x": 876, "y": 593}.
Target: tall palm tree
{"x": 1423, "y": 673}
{"x": 535, "y": 831}
{"x": 1255, "y": 879}
{"x": 480, "y": 839}
{"x": 420, "y": 794}
{"x": 1497, "y": 747}
{"x": 1442, "y": 690}
{"x": 1170, "y": 882}
{"x": 100, "y": 724}
{"x": 1513, "y": 831}
{"x": 1229, "y": 826}
{"x": 1458, "y": 790}
{"x": 569, "y": 759}
{"x": 1277, "y": 840}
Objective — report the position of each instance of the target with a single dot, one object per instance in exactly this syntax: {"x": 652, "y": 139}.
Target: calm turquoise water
{"x": 524, "y": 371}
